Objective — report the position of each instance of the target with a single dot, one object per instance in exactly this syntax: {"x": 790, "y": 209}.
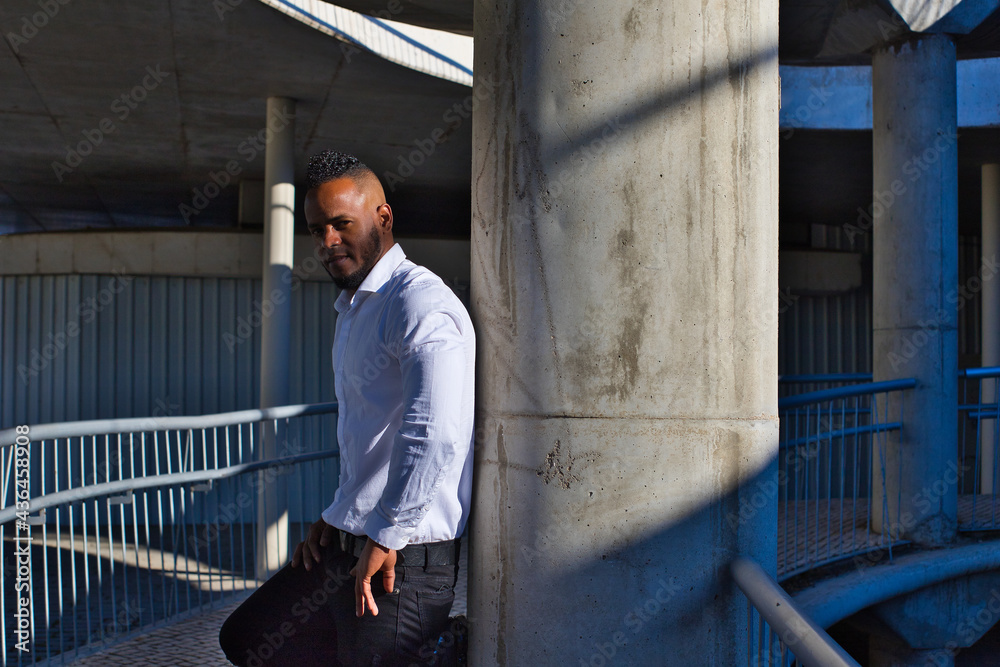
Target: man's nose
{"x": 332, "y": 238}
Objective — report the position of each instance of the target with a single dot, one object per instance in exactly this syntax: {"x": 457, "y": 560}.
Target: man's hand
{"x": 374, "y": 558}
{"x": 320, "y": 534}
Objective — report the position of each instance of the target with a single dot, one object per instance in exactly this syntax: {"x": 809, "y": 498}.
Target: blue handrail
{"x": 845, "y": 392}
{"x": 985, "y": 372}
{"x": 825, "y": 377}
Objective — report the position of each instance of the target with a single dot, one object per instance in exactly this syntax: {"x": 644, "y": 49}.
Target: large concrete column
{"x": 624, "y": 281}
{"x": 991, "y": 316}
{"x": 915, "y": 248}
{"x": 275, "y": 345}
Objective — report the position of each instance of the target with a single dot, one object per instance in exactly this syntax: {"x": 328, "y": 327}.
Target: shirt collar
{"x": 376, "y": 278}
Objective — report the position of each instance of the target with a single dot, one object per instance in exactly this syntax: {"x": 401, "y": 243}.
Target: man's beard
{"x": 369, "y": 256}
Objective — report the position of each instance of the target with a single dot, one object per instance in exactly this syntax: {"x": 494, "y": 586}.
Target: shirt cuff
{"x": 387, "y": 534}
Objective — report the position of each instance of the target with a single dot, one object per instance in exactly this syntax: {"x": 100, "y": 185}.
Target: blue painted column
{"x": 915, "y": 245}
{"x": 990, "y": 324}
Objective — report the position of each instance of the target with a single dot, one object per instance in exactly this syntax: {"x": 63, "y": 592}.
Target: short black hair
{"x": 328, "y": 165}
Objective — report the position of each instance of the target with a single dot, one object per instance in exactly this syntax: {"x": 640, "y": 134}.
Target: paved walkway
{"x": 192, "y": 642}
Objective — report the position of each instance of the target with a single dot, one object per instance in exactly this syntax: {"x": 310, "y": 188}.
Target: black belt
{"x": 412, "y": 555}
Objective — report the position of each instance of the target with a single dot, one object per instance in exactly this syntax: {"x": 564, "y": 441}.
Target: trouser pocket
{"x": 423, "y": 616}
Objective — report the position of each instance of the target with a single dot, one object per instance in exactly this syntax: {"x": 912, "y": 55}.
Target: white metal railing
{"x": 779, "y": 632}
{"x": 436, "y": 52}
{"x": 134, "y": 522}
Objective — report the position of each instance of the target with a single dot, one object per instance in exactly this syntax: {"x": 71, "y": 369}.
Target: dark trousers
{"x": 302, "y": 618}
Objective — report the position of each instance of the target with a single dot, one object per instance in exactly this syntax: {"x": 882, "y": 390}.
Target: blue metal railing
{"x": 978, "y": 444}
{"x": 831, "y": 471}
{"x": 136, "y": 522}
{"x": 789, "y": 385}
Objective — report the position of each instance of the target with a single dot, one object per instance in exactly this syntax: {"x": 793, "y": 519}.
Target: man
{"x": 406, "y": 453}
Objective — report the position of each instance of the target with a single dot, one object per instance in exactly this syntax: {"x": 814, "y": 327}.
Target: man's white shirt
{"x": 404, "y": 363}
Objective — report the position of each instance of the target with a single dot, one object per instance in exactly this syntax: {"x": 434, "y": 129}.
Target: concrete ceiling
{"x": 821, "y": 32}
{"x": 451, "y": 15}
{"x": 62, "y": 88}
{"x": 845, "y": 174}
{"x": 215, "y": 70}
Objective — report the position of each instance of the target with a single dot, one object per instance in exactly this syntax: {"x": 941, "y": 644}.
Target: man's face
{"x": 352, "y": 224}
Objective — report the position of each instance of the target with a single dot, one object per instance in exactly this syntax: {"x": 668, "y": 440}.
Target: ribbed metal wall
{"x": 825, "y": 334}
{"x": 832, "y": 333}
{"x": 102, "y": 346}
{"x": 967, "y": 297}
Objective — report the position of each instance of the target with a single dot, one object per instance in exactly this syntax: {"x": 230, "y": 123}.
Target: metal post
{"x": 991, "y": 317}
{"x": 275, "y": 317}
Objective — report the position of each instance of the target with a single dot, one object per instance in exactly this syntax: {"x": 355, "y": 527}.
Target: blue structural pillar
{"x": 275, "y": 343}
{"x": 990, "y": 323}
{"x": 915, "y": 247}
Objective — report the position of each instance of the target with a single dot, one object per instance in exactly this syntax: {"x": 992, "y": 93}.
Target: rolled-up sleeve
{"x": 432, "y": 359}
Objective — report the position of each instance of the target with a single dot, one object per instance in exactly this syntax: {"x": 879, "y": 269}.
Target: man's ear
{"x": 385, "y": 217}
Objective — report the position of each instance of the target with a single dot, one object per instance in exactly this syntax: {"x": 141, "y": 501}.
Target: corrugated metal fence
{"x": 114, "y": 346}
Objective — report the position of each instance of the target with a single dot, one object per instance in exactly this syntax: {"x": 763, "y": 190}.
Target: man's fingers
{"x": 359, "y": 598}
{"x": 363, "y": 597}
{"x": 309, "y": 551}
{"x": 314, "y": 548}
{"x": 369, "y": 598}
{"x": 388, "y": 580}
